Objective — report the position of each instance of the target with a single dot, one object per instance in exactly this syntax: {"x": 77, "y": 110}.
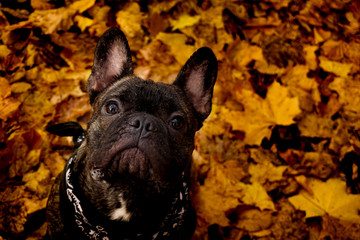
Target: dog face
{"x": 141, "y": 135}
{"x": 142, "y": 130}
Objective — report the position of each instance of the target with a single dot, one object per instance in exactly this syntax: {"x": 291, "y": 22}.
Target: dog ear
{"x": 112, "y": 61}
{"x": 197, "y": 79}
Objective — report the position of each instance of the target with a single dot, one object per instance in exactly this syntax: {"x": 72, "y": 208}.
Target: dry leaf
{"x": 213, "y": 203}
{"x": 330, "y": 198}
{"x": 184, "y": 20}
{"x": 287, "y": 72}
{"x": 52, "y": 20}
{"x": 255, "y": 195}
{"x": 339, "y": 69}
{"x": 261, "y": 115}
{"x": 347, "y": 89}
{"x": 177, "y": 45}
{"x": 82, "y": 5}
{"x": 266, "y": 172}
{"x": 241, "y": 54}
{"x": 130, "y": 19}
{"x": 8, "y": 107}
{"x": 83, "y": 22}
{"x": 254, "y": 220}
{"x": 38, "y": 181}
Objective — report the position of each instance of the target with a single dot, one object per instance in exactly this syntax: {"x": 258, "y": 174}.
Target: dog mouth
{"x": 131, "y": 159}
{"x": 131, "y": 162}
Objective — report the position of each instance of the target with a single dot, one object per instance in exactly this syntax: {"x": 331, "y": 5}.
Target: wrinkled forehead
{"x": 145, "y": 95}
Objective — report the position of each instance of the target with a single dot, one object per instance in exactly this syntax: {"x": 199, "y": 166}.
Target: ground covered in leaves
{"x": 278, "y": 158}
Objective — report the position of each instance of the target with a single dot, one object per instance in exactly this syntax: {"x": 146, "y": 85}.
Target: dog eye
{"x": 112, "y": 108}
{"x": 177, "y": 122}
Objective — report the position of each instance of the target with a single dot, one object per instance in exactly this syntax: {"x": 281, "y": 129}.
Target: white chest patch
{"x": 120, "y": 213}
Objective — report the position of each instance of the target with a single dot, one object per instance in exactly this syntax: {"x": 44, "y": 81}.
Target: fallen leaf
{"x": 330, "y": 198}
{"x": 8, "y": 107}
{"x": 52, "y": 20}
{"x": 38, "y": 181}
{"x": 255, "y": 195}
{"x": 177, "y": 44}
{"x": 310, "y": 56}
{"x": 298, "y": 77}
{"x": 20, "y": 87}
{"x": 347, "y": 89}
{"x": 4, "y": 51}
{"x": 254, "y": 220}
{"x": 83, "y": 22}
{"x": 312, "y": 125}
{"x": 339, "y": 229}
{"x": 242, "y": 53}
{"x": 338, "y": 68}
{"x": 261, "y": 115}
{"x": 5, "y": 89}
{"x": 130, "y": 19}
{"x": 213, "y": 203}
{"x": 41, "y": 5}
{"x": 184, "y": 20}
{"x": 334, "y": 50}
{"x": 266, "y": 172}
{"x": 82, "y": 5}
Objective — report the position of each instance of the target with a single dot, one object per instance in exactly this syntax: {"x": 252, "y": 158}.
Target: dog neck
{"x": 94, "y": 230}
{"x": 90, "y": 230}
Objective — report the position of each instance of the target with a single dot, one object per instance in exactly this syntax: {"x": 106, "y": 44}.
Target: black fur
{"x": 138, "y": 146}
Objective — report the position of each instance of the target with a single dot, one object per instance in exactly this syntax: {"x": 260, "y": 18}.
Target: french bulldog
{"x": 129, "y": 176}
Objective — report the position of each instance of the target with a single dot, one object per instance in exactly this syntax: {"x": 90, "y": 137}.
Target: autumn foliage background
{"x": 279, "y": 156}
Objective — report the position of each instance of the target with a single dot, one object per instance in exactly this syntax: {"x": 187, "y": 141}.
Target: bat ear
{"x": 197, "y": 79}
{"x": 112, "y": 61}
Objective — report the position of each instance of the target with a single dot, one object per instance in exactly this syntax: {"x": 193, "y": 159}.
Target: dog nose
{"x": 150, "y": 126}
{"x": 135, "y": 123}
{"x": 144, "y": 123}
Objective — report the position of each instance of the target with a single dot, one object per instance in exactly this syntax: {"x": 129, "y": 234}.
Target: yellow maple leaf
{"x": 8, "y": 107}
{"x": 177, "y": 44}
{"x": 8, "y": 104}
{"x": 254, "y": 220}
{"x": 184, "y": 20}
{"x": 261, "y": 115}
{"x": 312, "y": 125}
{"x": 129, "y": 19}
{"x": 266, "y": 68}
{"x": 4, "y": 51}
{"x": 266, "y": 171}
{"x": 219, "y": 194}
{"x": 256, "y": 195}
{"x": 5, "y": 89}
{"x": 348, "y": 90}
{"x": 310, "y": 56}
{"x": 83, "y": 22}
{"x": 297, "y": 77}
{"x": 243, "y": 53}
{"x": 330, "y": 198}
{"x": 302, "y": 86}
{"x": 338, "y": 68}
{"x": 82, "y": 5}
{"x": 53, "y": 19}
{"x": 20, "y": 87}
{"x": 283, "y": 107}
{"x": 38, "y": 181}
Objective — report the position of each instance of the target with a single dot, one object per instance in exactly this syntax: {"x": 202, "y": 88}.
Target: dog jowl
{"x": 129, "y": 177}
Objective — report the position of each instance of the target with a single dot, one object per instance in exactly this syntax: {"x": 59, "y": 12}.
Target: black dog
{"x": 128, "y": 179}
